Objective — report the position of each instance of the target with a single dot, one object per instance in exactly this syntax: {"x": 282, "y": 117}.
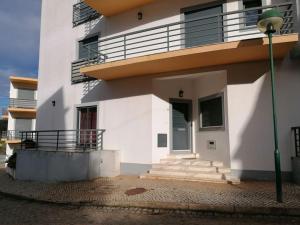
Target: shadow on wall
{"x": 252, "y": 140}
{"x": 52, "y": 113}
{"x": 116, "y": 89}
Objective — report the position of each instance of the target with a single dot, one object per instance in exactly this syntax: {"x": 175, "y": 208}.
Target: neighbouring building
{"x": 21, "y": 112}
{"x": 171, "y": 79}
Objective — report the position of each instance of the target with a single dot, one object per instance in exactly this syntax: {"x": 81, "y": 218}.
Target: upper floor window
{"x": 88, "y": 48}
{"x": 251, "y": 15}
{"x": 26, "y": 94}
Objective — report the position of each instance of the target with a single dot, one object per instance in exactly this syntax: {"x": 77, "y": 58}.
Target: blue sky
{"x": 19, "y": 41}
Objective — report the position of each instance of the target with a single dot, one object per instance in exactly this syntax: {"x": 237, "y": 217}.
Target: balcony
{"x": 22, "y": 103}
{"x": 83, "y": 13}
{"x": 11, "y": 136}
{"x": 219, "y": 39}
{"x": 24, "y": 82}
{"x": 62, "y": 140}
{"x": 4, "y": 114}
{"x": 76, "y": 76}
{"x": 22, "y": 108}
{"x": 110, "y": 8}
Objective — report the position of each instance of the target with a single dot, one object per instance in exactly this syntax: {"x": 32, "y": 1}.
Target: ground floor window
{"x": 211, "y": 112}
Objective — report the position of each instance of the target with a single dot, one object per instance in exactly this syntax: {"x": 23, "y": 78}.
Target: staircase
{"x": 190, "y": 167}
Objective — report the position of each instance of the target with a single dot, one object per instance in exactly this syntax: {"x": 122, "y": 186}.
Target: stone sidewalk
{"x": 132, "y": 192}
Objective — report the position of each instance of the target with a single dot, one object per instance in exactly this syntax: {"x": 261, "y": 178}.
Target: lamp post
{"x": 270, "y": 22}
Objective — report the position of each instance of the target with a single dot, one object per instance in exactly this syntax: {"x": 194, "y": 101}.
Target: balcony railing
{"x": 93, "y": 57}
{"x": 296, "y": 137}
{"x": 83, "y": 13}
{"x": 224, "y": 27}
{"x": 22, "y": 103}
{"x": 63, "y": 140}
{"x": 11, "y": 135}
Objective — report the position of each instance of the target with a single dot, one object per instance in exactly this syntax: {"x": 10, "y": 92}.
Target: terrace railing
{"x": 296, "y": 137}
{"x": 83, "y": 13}
{"x": 63, "y": 140}
{"x": 22, "y": 103}
{"x": 11, "y": 135}
{"x": 93, "y": 58}
{"x": 224, "y": 27}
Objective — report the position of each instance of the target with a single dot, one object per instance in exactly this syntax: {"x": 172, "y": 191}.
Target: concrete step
{"x": 184, "y": 156}
{"x": 194, "y": 162}
{"x": 189, "y": 178}
{"x": 191, "y": 168}
{"x": 179, "y": 173}
{"x": 168, "y": 177}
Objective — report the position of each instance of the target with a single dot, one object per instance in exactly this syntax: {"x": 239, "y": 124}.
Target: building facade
{"x": 21, "y": 112}
{"x": 171, "y": 77}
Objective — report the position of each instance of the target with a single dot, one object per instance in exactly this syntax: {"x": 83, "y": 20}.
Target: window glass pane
{"x": 23, "y": 124}
{"x": 251, "y": 16}
{"x": 26, "y": 94}
{"x": 211, "y": 111}
{"x": 88, "y": 48}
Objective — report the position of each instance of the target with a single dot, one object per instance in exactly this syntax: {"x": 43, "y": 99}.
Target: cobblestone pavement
{"x": 168, "y": 194}
{"x": 21, "y": 212}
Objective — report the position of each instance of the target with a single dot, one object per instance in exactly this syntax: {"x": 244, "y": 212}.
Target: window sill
{"x": 220, "y": 128}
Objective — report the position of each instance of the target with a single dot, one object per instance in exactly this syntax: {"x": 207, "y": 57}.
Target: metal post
{"x": 270, "y": 32}
{"x": 168, "y": 38}
{"x": 57, "y": 140}
{"x": 37, "y": 140}
{"x": 125, "y": 53}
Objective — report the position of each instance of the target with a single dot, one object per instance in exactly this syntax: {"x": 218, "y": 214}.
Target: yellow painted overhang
{"x": 22, "y": 113}
{"x": 4, "y": 117}
{"x": 113, "y": 7}
{"x": 192, "y": 58}
{"x": 24, "y": 82}
{"x": 15, "y": 141}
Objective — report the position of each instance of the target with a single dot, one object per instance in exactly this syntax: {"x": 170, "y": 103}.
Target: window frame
{"x": 243, "y": 7}
{"x": 97, "y": 35}
{"x": 210, "y": 97}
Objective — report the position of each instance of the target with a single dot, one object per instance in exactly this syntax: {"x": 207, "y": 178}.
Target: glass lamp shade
{"x": 272, "y": 17}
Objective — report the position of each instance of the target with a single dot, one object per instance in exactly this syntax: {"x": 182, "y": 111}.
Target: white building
{"x": 21, "y": 110}
{"x": 171, "y": 77}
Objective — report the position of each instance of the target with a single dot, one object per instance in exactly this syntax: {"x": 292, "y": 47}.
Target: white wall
{"x": 250, "y": 114}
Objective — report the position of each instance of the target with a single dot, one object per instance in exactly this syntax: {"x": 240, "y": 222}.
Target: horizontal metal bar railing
{"x": 63, "y": 140}
{"x": 296, "y": 137}
{"x": 83, "y": 13}
{"x": 223, "y": 27}
{"x": 22, "y": 103}
{"x": 11, "y": 135}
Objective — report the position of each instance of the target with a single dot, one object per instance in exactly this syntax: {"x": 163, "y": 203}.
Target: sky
{"x": 19, "y": 42}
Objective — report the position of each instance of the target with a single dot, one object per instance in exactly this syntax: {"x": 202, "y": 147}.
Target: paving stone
{"x": 163, "y": 193}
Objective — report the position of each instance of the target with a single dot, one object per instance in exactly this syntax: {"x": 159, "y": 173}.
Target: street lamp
{"x": 270, "y": 22}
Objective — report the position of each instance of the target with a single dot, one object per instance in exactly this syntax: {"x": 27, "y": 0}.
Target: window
{"x": 26, "y": 94}
{"x": 211, "y": 112}
{"x": 251, "y": 16}
{"x": 88, "y": 48}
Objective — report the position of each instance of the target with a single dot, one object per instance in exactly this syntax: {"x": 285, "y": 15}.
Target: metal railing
{"x": 94, "y": 57}
{"x": 11, "y": 135}
{"x": 62, "y": 140}
{"x": 83, "y": 13}
{"x": 296, "y": 137}
{"x": 22, "y": 103}
{"x": 224, "y": 27}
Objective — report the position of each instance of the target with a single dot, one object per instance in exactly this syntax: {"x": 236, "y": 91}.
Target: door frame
{"x": 190, "y": 104}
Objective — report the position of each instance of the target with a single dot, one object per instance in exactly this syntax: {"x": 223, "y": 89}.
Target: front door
{"x": 181, "y": 125}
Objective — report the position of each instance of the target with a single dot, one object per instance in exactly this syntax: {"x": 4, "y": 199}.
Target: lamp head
{"x": 270, "y": 21}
